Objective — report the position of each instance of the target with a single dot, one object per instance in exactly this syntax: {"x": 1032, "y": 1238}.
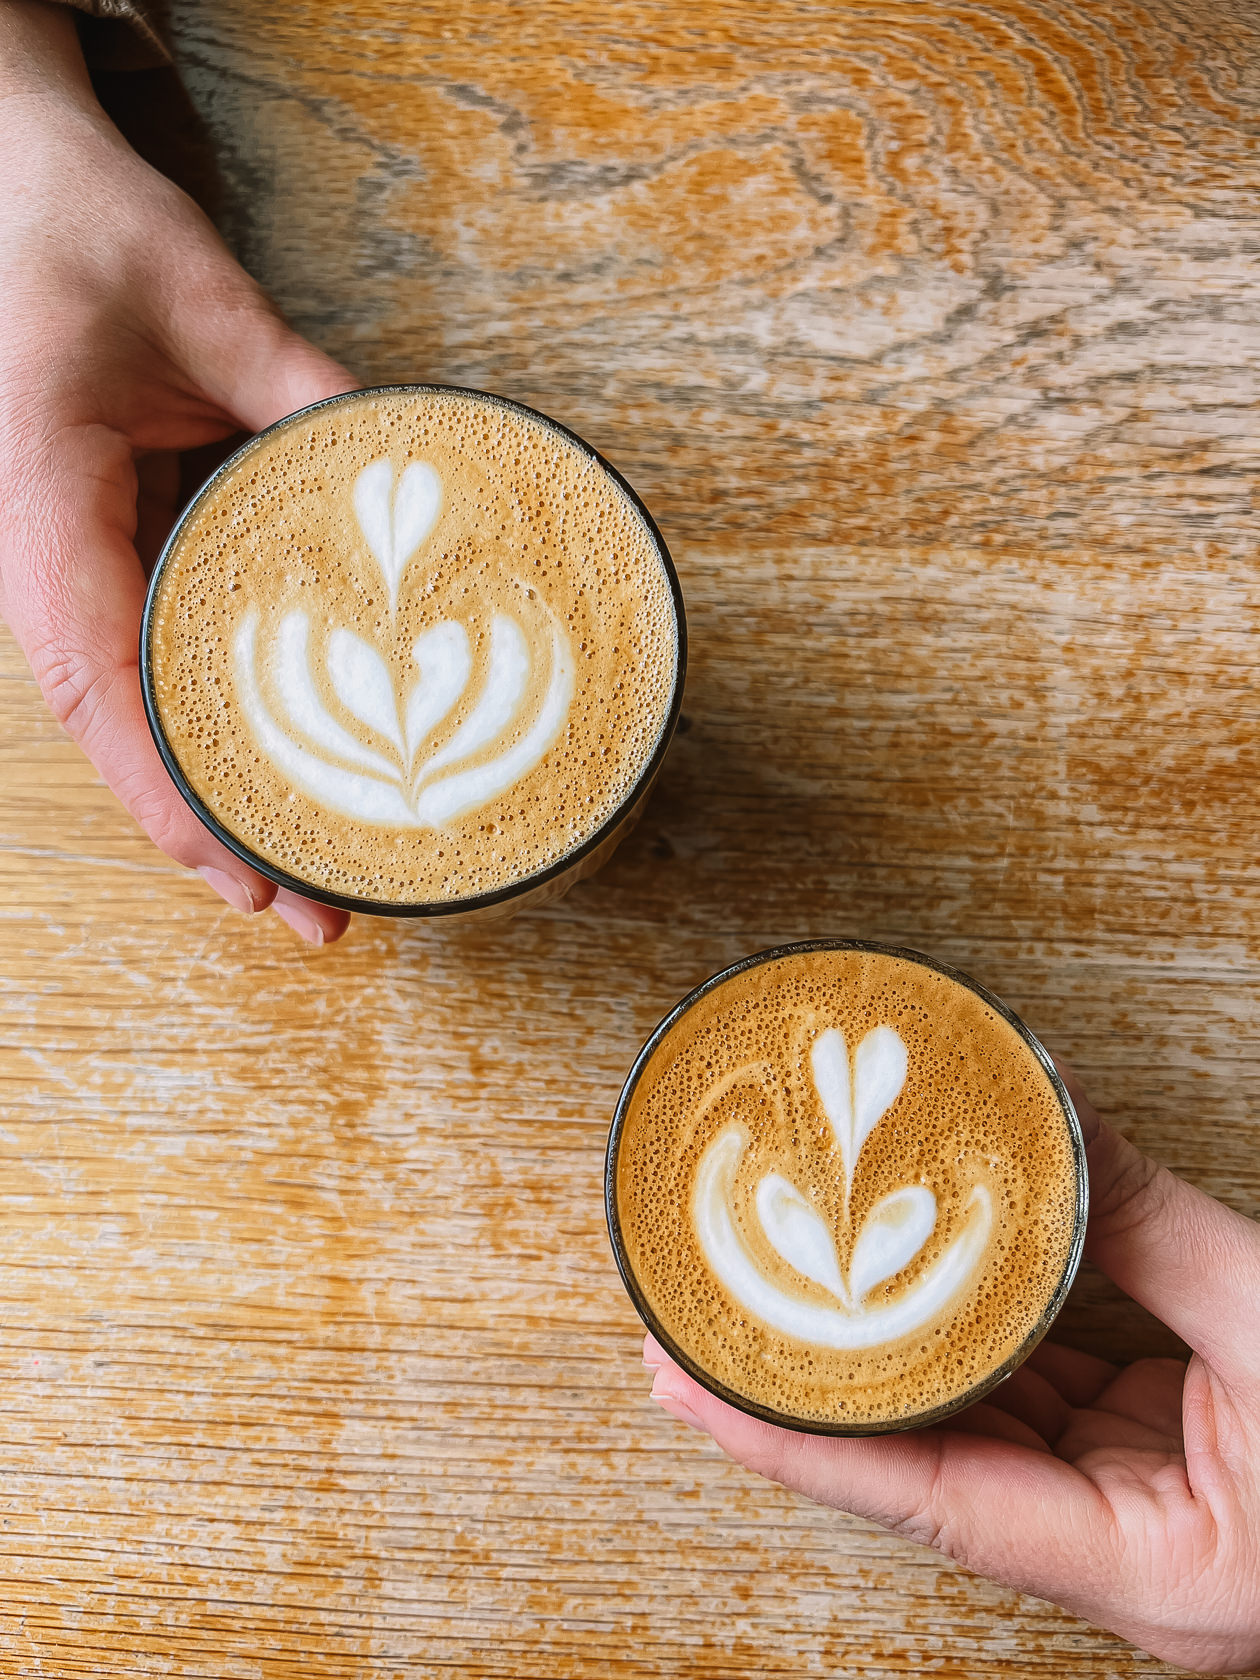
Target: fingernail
{"x": 230, "y": 889}
{"x": 678, "y": 1409}
{"x": 652, "y": 1362}
{"x": 301, "y": 921}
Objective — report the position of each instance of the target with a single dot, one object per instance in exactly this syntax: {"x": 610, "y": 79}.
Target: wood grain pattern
{"x": 931, "y": 334}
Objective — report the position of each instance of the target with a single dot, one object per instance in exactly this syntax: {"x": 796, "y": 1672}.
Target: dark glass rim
{"x": 385, "y": 907}
{"x": 767, "y": 1414}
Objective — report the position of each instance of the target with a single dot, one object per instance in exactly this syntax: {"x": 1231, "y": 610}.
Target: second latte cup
{"x": 845, "y": 1188}
{"x": 416, "y": 651}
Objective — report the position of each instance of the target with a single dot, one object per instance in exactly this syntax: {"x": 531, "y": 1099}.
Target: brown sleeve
{"x": 122, "y": 34}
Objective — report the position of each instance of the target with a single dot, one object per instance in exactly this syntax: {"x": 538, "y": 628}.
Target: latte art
{"x": 843, "y": 1187}
{"x": 415, "y": 646}
{"x": 379, "y": 776}
{"x": 396, "y": 521}
{"x": 892, "y": 1235}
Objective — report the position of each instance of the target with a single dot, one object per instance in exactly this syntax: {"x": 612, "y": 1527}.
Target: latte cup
{"x": 415, "y": 651}
{"x": 846, "y": 1188}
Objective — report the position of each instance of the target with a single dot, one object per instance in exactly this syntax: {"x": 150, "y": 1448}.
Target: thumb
{"x": 248, "y": 361}
{"x": 1009, "y": 1511}
{"x": 74, "y": 592}
{"x": 1186, "y": 1257}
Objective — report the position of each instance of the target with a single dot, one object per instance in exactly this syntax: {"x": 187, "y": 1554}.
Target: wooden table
{"x": 929, "y": 329}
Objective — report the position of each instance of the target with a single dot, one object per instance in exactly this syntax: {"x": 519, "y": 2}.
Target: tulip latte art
{"x": 413, "y": 646}
{"x": 845, "y": 1187}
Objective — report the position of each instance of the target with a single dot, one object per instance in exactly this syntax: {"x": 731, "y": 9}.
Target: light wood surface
{"x": 931, "y": 333}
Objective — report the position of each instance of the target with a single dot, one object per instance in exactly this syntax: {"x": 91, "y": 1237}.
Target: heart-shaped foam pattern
{"x": 395, "y": 522}
{"x": 855, "y": 1099}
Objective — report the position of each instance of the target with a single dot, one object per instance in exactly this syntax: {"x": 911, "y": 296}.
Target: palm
{"x": 1123, "y": 1441}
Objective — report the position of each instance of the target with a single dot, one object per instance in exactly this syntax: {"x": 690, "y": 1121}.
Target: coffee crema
{"x": 844, "y": 1188}
{"x": 413, "y": 646}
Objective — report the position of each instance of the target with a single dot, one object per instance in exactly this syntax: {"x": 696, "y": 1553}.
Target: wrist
{"x": 41, "y": 66}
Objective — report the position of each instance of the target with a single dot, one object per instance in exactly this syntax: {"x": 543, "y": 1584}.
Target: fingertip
{"x": 654, "y": 1355}
{"x": 318, "y": 924}
{"x": 680, "y": 1412}
{"x": 680, "y": 1394}
{"x": 293, "y": 376}
{"x": 316, "y": 377}
{"x": 237, "y": 890}
{"x": 251, "y": 362}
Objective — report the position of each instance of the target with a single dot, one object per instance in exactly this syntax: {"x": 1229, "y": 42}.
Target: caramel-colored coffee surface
{"x": 976, "y": 1108}
{"x": 519, "y": 533}
{"x": 929, "y": 330}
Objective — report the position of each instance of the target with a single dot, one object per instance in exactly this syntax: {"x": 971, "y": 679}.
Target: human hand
{"x": 130, "y": 334}
{"x": 1130, "y": 1495}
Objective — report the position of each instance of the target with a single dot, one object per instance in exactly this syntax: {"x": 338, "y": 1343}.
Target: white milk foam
{"x": 431, "y": 603}
{"x": 845, "y": 1186}
{"x": 313, "y": 749}
{"x": 892, "y": 1234}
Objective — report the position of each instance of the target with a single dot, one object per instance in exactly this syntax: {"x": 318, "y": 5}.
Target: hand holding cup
{"x": 1128, "y": 1494}
{"x": 130, "y": 334}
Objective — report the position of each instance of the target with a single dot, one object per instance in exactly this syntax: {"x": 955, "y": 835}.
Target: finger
{"x": 984, "y": 1418}
{"x": 251, "y": 363}
{"x": 1190, "y": 1260}
{"x": 319, "y": 924}
{"x": 1149, "y": 1391}
{"x": 74, "y": 592}
{"x": 1023, "y": 1517}
{"x": 1036, "y": 1403}
{"x": 1079, "y": 1377}
{"x": 258, "y": 370}
{"x": 1093, "y": 1431}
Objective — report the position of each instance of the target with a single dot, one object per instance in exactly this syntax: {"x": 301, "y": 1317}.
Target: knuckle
{"x": 926, "y": 1521}
{"x": 76, "y": 686}
{"x": 767, "y": 1458}
{"x": 162, "y": 814}
{"x": 924, "y": 1528}
{"x": 1130, "y": 1195}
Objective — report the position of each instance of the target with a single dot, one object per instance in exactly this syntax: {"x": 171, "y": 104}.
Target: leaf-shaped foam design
{"x": 892, "y": 1234}
{"x": 798, "y": 1234}
{"x": 395, "y": 517}
{"x": 303, "y": 706}
{"x": 358, "y": 795}
{"x": 361, "y": 681}
{"x": 465, "y": 789}
{"x": 395, "y": 522}
{"x": 506, "y": 677}
{"x": 445, "y": 661}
